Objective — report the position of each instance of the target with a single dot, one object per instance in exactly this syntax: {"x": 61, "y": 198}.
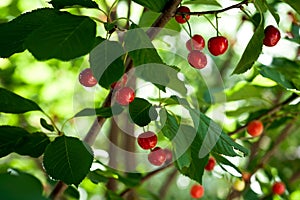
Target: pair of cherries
{"x": 157, "y": 155}
{"x": 124, "y": 95}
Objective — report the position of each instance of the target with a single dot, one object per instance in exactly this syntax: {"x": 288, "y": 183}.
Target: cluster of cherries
{"x": 124, "y": 95}
{"x": 157, "y": 155}
{"x": 216, "y": 45}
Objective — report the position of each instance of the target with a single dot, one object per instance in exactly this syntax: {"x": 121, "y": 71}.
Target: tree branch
{"x": 162, "y": 20}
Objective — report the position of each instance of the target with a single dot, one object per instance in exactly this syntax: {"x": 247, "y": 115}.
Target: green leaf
{"x": 14, "y": 33}
{"x": 156, "y": 6}
{"x": 294, "y": 4}
{"x": 13, "y": 103}
{"x": 204, "y": 2}
{"x": 71, "y": 191}
{"x": 97, "y": 176}
{"x": 58, "y": 4}
{"x": 33, "y": 145}
{"x": 107, "y": 67}
{"x": 105, "y": 112}
{"x": 142, "y": 112}
{"x": 10, "y": 135}
{"x": 273, "y": 11}
{"x": 24, "y": 186}
{"x": 68, "y": 159}
{"x": 45, "y": 125}
{"x": 223, "y": 161}
{"x": 283, "y": 71}
{"x": 254, "y": 46}
{"x": 65, "y": 37}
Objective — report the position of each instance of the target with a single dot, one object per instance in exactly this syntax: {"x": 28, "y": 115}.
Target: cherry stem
{"x": 217, "y": 24}
{"x": 190, "y": 29}
{"x": 212, "y": 25}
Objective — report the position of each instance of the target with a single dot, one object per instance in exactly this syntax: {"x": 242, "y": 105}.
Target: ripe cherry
{"x": 197, "y": 191}
{"x": 182, "y": 18}
{"x": 169, "y": 155}
{"x": 157, "y": 156}
{"x": 147, "y": 140}
{"x": 197, "y": 42}
{"x": 217, "y": 45}
{"x": 197, "y": 59}
{"x": 86, "y": 78}
{"x": 278, "y": 188}
{"x": 125, "y": 96}
{"x": 255, "y": 128}
{"x": 211, "y": 164}
{"x": 121, "y": 83}
{"x": 272, "y": 36}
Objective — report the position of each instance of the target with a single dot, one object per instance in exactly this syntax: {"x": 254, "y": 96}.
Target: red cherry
{"x": 278, "y": 188}
{"x": 169, "y": 155}
{"x": 197, "y": 59}
{"x": 197, "y": 191}
{"x": 86, "y": 78}
{"x": 272, "y": 36}
{"x": 217, "y": 45}
{"x": 211, "y": 164}
{"x": 121, "y": 83}
{"x": 147, "y": 140}
{"x": 157, "y": 156}
{"x": 246, "y": 176}
{"x": 255, "y": 128}
{"x": 182, "y": 18}
{"x": 125, "y": 96}
{"x": 197, "y": 42}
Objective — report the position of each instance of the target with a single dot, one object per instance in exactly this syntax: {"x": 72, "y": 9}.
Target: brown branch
{"x": 162, "y": 20}
{"x": 167, "y": 183}
{"x": 270, "y": 112}
{"x": 295, "y": 177}
{"x": 238, "y": 5}
{"x": 145, "y": 178}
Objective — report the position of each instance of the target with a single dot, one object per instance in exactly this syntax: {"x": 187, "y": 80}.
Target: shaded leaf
{"x": 107, "y": 67}
{"x": 65, "y": 37}
{"x": 294, "y": 4}
{"x": 14, "y": 33}
{"x": 223, "y": 161}
{"x": 58, "y": 4}
{"x": 105, "y": 112}
{"x": 13, "y": 103}
{"x": 45, "y": 125}
{"x": 20, "y": 186}
{"x": 72, "y": 192}
{"x": 33, "y": 145}
{"x": 157, "y": 6}
{"x": 141, "y": 112}
{"x": 68, "y": 159}
{"x": 10, "y": 135}
{"x": 97, "y": 176}
{"x": 254, "y": 46}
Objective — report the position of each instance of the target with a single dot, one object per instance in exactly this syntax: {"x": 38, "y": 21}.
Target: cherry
{"x": 255, "y": 128}
{"x": 272, "y": 36}
{"x": 278, "y": 188}
{"x": 211, "y": 164}
{"x": 86, "y": 78}
{"x": 121, "y": 83}
{"x": 169, "y": 155}
{"x": 197, "y": 42}
{"x": 147, "y": 140}
{"x": 217, "y": 45}
{"x": 197, "y": 59}
{"x": 182, "y": 18}
{"x": 157, "y": 156}
{"x": 125, "y": 96}
{"x": 197, "y": 191}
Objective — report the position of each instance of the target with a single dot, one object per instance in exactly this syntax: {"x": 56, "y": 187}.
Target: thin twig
{"x": 167, "y": 183}
{"x": 238, "y": 5}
